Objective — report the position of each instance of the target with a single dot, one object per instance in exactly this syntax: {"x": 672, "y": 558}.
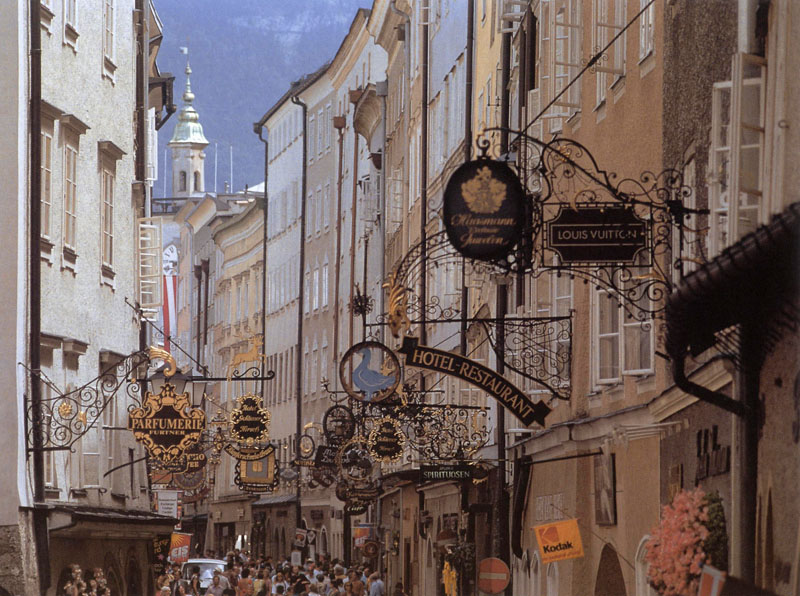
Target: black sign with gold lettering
{"x": 386, "y": 440}
{"x": 484, "y": 209}
{"x": 604, "y": 234}
{"x": 167, "y": 426}
{"x": 448, "y": 363}
{"x": 250, "y": 421}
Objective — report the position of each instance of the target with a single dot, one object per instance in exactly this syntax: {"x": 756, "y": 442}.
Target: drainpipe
{"x": 385, "y": 215}
{"x": 258, "y": 127}
{"x": 467, "y": 156}
{"x": 423, "y": 182}
{"x": 353, "y": 227}
{"x": 35, "y": 295}
{"x": 299, "y": 370}
{"x": 337, "y": 265}
{"x": 503, "y": 543}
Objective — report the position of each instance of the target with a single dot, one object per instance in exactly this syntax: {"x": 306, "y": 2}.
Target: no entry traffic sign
{"x": 493, "y": 576}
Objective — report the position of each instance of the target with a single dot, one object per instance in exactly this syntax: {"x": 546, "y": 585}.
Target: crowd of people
{"x": 244, "y": 575}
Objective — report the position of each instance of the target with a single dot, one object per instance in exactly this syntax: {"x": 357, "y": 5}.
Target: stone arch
{"x": 182, "y": 182}
{"x": 610, "y": 581}
{"x": 198, "y": 182}
{"x": 134, "y": 576}
{"x": 323, "y": 541}
{"x": 551, "y": 581}
{"x": 535, "y": 574}
{"x": 642, "y": 584}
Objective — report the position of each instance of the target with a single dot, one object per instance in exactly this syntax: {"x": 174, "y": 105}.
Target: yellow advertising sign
{"x": 559, "y": 541}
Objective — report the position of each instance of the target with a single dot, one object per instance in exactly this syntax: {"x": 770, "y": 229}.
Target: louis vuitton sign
{"x": 484, "y": 209}
{"x": 455, "y": 365}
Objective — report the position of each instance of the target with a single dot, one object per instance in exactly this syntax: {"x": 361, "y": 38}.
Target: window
{"x": 246, "y": 299}
{"x": 238, "y": 303}
{"x": 70, "y": 12}
{"x": 328, "y": 125}
{"x": 321, "y": 127}
{"x": 606, "y": 26}
{"x": 182, "y": 181}
{"x": 326, "y": 206}
{"x": 646, "y": 28}
{"x": 324, "y": 284}
{"x": 318, "y": 207}
{"x": 107, "y": 192}
{"x": 70, "y": 194}
{"x": 315, "y": 290}
{"x": 312, "y": 139}
{"x": 310, "y": 214}
{"x": 108, "y": 29}
{"x": 47, "y": 178}
{"x": 198, "y": 186}
{"x": 559, "y": 58}
{"x": 552, "y": 579}
{"x": 624, "y": 343}
{"x": 736, "y": 167}
{"x": 323, "y": 359}
{"x": 306, "y": 295}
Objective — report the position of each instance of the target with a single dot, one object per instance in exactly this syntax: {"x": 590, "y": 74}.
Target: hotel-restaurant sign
{"x": 484, "y": 209}
{"x": 597, "y": 235}
{"x": 448, "y": 363}
{"x": 166, "y": 424}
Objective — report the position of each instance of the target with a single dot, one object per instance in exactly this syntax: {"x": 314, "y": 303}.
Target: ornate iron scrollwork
{"x": 67, "y": 416}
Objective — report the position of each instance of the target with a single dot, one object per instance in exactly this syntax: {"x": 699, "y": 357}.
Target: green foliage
{"x": 716, "y": 543}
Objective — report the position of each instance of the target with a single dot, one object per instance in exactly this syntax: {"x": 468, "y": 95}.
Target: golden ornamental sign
{"x": 484, "y": 209}
{"x": 166, "y": 424}
{"x": 249, "y": 422}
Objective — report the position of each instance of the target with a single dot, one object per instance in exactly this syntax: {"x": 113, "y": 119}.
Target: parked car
{"x": 207, "y": 567}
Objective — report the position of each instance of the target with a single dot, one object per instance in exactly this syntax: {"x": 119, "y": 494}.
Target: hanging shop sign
{"x": 354, "y": 463}
{"x": 257, "y": 475}
{"x": 300, "y": 535}
{"x": 371, "y": 548}
{"x": 597, "y": 235}
{"x": 559, "y": 541}
{"x": 484, "y": 209}
{"x": 197, "y": 495}
{"x": 345, "y": 492}
{"x": 166, "y": 424}
{"x": 455, "y": 365}
{"x": 161, "y": 545}
{"x": 355, "y": 507}
{"x": 179, "y": 547}
{"x": 432, "y": 473}
{"x": 325, "y": 457}
{"x": 338, "y": 425}
{"x": 369, "y": 371}
{"x": 386, "y": 440}
{"x": 249, "y": 422}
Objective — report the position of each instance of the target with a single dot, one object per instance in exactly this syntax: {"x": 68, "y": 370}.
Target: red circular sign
{"x": 493, "y": 576}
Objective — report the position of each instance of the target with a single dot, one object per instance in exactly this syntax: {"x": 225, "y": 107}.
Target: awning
{"x": 272, "y": 500}
{"x": 749, "y": 290}
{"x": 66, "y": 520}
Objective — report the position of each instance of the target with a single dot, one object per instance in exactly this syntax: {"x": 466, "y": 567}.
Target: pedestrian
{"x": 245, "y": 585}
{"x": 215, "y": 589}
{"x": 398, "y": 590}
{"x": 194, "y": 581}
{"x": 376, "y": 587}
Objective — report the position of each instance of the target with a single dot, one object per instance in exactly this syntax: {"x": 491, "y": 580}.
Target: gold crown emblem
{"x": 483, "y": 193}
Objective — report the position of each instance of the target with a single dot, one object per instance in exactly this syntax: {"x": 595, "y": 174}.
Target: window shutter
{"x": 150, "y": 266}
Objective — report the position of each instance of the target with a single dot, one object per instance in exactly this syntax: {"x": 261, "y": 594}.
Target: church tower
{"x": 187, "y": 145}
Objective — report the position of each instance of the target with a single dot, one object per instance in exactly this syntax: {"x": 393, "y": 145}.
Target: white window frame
{"x": 107, "y": 181}
{"x": 605, "y": 27}
{"x": 109, "y": 37}
{"x": 324, "y": 283}
{"x": 728, "y": 179}
{"x": 315, "y": 289}
{"x": 47, "y": 179}
{"x": 70, "y": 194}
{"x": 647, "y": 45}
{"x": 601, "y": 297}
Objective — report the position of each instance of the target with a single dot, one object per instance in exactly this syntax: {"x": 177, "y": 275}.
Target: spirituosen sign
{"x": 430, "y": 473}
{"x": 448, "y": 363}
{"x": 484, "y": 209}
{"x": 166, "y": 424}
{"x": 597, "y": 235}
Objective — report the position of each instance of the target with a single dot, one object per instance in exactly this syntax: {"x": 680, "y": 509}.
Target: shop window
{"x": 642, "y": 586}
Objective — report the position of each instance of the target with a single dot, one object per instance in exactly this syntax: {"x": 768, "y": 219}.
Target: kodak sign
{"x": 455, "y": 365}
{"x": 559, "y": 541}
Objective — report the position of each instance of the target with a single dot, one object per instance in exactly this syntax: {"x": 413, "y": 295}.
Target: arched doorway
{"x": 323, "y": 541}
{"x": 134, "y": 578}
{"x": 610, "y": 581}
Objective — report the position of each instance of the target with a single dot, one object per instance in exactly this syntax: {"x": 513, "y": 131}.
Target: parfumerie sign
{"x": 514, "y": 400}
{"x": 166, "y": 424}
{"x": 484, "y": 208}
{"x": 597, "y": 235}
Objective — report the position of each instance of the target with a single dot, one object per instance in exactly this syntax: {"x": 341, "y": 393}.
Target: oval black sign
{"x": 484, "y": 209}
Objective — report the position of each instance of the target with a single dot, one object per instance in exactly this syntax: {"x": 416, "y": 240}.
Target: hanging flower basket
{"x": 691, "y": 533}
